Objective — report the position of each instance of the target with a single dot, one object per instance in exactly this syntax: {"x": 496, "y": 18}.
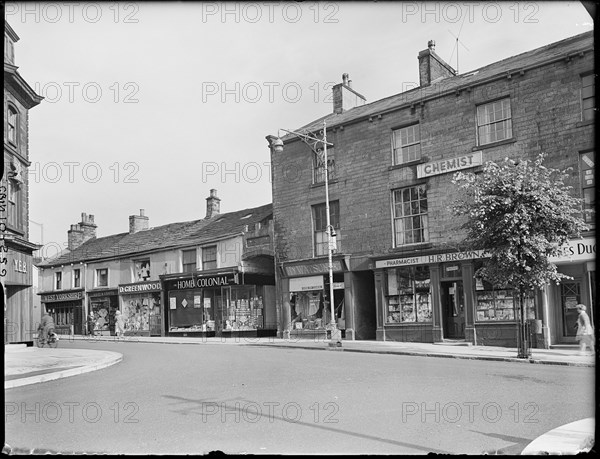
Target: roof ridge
{"x": 363, "y": 110}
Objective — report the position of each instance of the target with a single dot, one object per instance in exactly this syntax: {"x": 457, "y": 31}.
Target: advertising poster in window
{"x": 142, "y": 270}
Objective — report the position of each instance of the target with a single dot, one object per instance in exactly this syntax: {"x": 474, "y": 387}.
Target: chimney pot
{"x": 431, "y": 45}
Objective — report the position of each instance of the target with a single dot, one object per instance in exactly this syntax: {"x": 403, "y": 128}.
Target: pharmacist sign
{"x": 446, "y": 166}
{"x": 434, "y": 258}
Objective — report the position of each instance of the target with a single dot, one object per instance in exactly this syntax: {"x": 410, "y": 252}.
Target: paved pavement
{"x": 28, "y": 365}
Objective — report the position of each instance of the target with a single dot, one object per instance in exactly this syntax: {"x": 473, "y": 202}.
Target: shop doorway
{"x": 453, "y": 309}
{"x": 570, "y": 297}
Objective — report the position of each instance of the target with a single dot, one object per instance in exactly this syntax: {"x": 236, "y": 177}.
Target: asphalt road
{"x": 193, "y": 399}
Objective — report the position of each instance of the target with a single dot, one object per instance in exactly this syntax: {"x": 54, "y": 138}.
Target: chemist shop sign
{"x": 446, "y": 166}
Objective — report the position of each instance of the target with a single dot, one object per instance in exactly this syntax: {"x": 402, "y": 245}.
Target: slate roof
{"x": 172, "y": 235}
{"x": 514, "y": 64}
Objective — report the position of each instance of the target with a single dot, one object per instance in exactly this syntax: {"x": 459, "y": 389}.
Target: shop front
{"x": 103, "y": 304}
{"x": 436, "y": 298}
{"x": 578, "y": 262}
{"x": 66, "y": 309}
{"x": 225, "y": 303}
{"x": 141, "y": 308}
{"x": 306, "y": 307}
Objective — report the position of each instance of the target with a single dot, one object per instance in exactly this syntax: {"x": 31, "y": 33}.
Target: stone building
{"x": 399, "y": 270}
{"x": 16, "y": 262}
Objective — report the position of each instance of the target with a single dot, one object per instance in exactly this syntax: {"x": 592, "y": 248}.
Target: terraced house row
{"x": 399, "y": 271}
{"x": 207, "y": 277}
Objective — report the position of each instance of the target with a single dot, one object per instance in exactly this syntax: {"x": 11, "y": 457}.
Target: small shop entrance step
{"x": 565, "y": 346}
{"x": 455, "y": 342}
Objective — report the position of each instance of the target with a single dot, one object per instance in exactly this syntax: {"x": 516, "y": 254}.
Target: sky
{"x": 151, "y": 105}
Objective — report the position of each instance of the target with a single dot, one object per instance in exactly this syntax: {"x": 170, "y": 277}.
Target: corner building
{"x": 16, "y": 261}
{"x": 398, "y": 265}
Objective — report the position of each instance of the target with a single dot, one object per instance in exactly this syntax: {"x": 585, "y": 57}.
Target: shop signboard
{"x": 313, "y": 268}
{"x": 577, "y": 250}
{"x": 446, "y": 166}
{"x": 140, "y": 287}
{"x": 306, "y": 284}
{"x": 64, "y": 296}
{"x": 18, "y": 268}
{"x": 434, "y": 258}
{"x": 102, "y": 293}
{"x": 223, "y": 280}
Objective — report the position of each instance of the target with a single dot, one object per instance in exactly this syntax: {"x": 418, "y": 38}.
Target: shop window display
{"x": 138, "y": 310}
{"x": 244, "y": 309}
{"x": 308, "y": 311}
{"x": 230, "y": 309}
{"x": 409, "y": 295}
{"x": 191, "y": 311}
{"x": 499, "y": 304}
{"x": 100, "y": 309}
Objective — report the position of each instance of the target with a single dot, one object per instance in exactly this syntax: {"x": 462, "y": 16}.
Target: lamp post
{"x": 277, "y": 145}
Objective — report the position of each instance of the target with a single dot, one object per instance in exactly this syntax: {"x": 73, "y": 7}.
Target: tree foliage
{"x": 521, "y": 213}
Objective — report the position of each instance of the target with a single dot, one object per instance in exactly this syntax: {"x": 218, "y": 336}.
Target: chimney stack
{"x": 138, "y": 222}
{"x": 213, "y": 205}
{"x": 432, "y": 66}
{"x": 74, "y": 237}
{"x": 81, "y": 232}
{"x": 344, "y": 97}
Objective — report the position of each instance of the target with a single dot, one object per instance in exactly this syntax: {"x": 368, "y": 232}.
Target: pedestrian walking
{"x": 119, "y": 324}
{"x": 585, "y": 331}
{"x": 91, "y": 322}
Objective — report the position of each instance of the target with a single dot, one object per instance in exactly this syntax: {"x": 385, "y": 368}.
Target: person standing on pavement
{"x": 91, "y": 323}
{"x": 119, "y": 324}
{"x": 585, "y": 331}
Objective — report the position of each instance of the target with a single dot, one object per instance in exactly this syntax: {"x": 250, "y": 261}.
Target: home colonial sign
{"x": 446, "y": 166}
{"x": 204, "y": 282}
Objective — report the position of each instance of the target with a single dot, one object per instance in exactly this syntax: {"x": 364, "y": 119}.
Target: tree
{"x": 521, "y": 213}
